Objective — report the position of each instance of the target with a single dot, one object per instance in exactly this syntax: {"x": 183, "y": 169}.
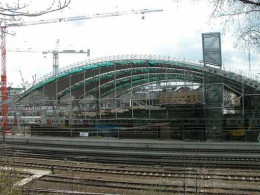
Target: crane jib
{"x": 97, "y": 15}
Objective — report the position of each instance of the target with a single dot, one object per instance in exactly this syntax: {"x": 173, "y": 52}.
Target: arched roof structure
{"x": 117, "y": 74}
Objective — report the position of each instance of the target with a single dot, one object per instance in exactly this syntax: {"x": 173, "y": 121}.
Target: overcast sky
{"x": 174, "y": 32}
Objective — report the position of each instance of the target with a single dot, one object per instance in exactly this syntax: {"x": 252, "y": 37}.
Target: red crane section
{"x": 3, "y": 81}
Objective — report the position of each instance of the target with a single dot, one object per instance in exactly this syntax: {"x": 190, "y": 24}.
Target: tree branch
{"x": 250, "y": 2}
{"x": 18, "y": 10}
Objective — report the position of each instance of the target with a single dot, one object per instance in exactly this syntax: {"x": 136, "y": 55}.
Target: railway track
{"x": 141, "y": 186}
{"x": 180, "y": 155}
{"x": 171, "y": 166}
{"x": 177, "y": 173}
{"x": 182, "y": 150}
{"x": 55, "y": 191}
{"x": 115, "y": 157}
{"x": 139, "y": 160}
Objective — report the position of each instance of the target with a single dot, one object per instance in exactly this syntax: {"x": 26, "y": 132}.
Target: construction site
{"x": 133, "y": 96}
{"x": 125, "y": 123}
{"x": 139, "y": 96}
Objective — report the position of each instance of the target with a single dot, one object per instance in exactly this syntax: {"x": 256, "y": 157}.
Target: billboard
{"x": 211, "y": 45}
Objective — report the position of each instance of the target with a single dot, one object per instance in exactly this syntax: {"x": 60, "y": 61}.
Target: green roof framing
{"x": 144, "y": 69}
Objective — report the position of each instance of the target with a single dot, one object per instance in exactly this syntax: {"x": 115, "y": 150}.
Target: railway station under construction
{"x": 140, "y": 96}
{"x": 129, "y": 124}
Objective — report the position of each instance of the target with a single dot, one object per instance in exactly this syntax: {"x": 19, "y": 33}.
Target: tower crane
{"x": 55, "y": 54}
{"x": 57, "y": 20}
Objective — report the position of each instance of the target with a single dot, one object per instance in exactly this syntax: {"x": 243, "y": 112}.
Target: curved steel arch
{"x": 104, "y": 71}
{"x": 136, "y": 80}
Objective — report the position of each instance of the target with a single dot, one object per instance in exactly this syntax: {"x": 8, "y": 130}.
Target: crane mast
{"x": 56, "y": 52}
{"x": 56, "y": 58}
{"x": 55, "y": 55}
{"x": 3, "y": 80}
{"x": 18, "y": 24}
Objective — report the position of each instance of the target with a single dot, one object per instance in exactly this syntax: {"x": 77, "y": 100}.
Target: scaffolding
{"x": 126, "y": 88}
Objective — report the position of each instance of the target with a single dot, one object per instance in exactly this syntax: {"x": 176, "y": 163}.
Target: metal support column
{"x": 132, "y": 91}
{"x": 70, "y": 95}
{"x": 56, "y": 95}
{"x": 115, "y": 102}
{"x": 43, "y": 98}
{"x": 149, "y": 99}
{"x": 84, "y": 96}
{"x": 99, "y": 94}
{"x": 243, "y": 111}
{"x": 166, "y": 75}
{"x": 214, "y": 108}
{"x": 243, "y": 103}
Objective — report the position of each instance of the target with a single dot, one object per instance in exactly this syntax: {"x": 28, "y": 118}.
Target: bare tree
{"x": 241, "y": 18}
{"x": 15, "y": 9}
